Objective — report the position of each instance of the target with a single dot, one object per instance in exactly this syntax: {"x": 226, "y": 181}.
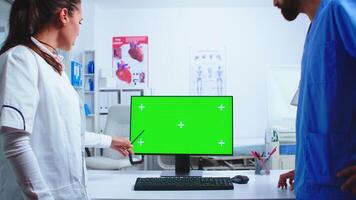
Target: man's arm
{"x": 282, "y": 182}
{"x": 350, "y": 183}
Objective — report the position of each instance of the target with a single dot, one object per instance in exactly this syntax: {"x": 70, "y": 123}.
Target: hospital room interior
{"x": 231, "y": 66}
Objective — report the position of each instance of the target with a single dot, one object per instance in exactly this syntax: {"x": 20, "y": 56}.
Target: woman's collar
{"x": 44, "y": 49}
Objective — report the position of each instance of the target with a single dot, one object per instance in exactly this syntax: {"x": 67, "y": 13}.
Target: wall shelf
{"x": 89, "y": 85}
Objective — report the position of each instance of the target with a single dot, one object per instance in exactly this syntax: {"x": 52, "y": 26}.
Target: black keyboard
{"x": 184, "y": 183}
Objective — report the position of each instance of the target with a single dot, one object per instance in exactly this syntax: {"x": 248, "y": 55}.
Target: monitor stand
{"x": 182, "y": 168}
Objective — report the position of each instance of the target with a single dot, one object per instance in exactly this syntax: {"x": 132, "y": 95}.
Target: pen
{"x": 256, "y": 155}
{"x": 253, "y": 154}
{"x": 272, "y": 152}
{"x": 133, "y": 141}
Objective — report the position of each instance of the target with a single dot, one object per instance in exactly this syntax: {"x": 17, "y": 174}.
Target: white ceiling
{"x": 125, "y": 4}
{"x": 132, "y": 4}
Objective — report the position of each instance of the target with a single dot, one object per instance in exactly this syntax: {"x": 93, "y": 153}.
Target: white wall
{"x": 255, "y": 36}
{"x": 85, "y": 40}
{"x": 4, "y": 17}
{"x": 4, "y": 10}
{"x": 253, "y": 32}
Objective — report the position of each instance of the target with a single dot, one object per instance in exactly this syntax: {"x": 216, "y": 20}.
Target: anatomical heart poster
{"x": 130, "y": 61}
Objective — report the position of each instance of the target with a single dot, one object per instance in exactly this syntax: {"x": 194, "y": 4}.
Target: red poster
{"x": 130, "y": 61}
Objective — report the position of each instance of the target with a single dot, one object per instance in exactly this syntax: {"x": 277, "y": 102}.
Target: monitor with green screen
{"x": 182, "y": 125}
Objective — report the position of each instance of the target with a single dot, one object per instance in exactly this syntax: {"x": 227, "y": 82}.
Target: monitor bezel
{"x": 174, "y": 154}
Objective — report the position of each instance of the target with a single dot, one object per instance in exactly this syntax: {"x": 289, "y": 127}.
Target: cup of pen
{"x": 261, "y": 161}
{"x": 261, "y": 166}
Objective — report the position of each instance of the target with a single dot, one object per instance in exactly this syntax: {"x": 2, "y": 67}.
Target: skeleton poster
{"x": 208, "y": 74}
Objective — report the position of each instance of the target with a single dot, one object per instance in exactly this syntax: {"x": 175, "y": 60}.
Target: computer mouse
{"x": 240, "y": 179}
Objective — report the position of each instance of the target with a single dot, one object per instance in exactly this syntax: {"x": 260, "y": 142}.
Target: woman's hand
{"x": 350, "y": 174}
{"x": 122, "y": 145}
{"x": 282, "y": 183}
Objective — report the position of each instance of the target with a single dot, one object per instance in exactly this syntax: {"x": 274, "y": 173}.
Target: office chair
{"x": 117, "y": 124}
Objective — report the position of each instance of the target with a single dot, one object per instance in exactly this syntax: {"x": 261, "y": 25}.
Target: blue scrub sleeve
{"x": 345, "y": 18}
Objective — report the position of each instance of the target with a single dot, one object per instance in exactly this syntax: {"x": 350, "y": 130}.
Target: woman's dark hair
{"x": 28, "y": 17}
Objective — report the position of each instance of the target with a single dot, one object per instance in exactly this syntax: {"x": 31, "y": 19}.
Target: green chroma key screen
{"x": 194, "y": 125}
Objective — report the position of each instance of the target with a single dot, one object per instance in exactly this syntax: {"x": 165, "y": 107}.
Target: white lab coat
{"x": 35, "y": 98}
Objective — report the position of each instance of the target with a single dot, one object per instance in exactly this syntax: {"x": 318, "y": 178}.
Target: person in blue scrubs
{"x": 326, "y": 118}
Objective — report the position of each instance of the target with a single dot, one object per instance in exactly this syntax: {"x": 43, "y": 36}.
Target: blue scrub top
{"x": 326, "y": 118}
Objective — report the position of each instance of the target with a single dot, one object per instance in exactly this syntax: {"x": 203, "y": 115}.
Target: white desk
{"x": 119, "y": 185}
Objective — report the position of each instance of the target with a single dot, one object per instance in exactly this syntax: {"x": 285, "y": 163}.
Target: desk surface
{"x": 119, "y": 185}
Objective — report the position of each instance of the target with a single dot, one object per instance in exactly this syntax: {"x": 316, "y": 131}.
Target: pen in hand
{"x": 134, "y": 140}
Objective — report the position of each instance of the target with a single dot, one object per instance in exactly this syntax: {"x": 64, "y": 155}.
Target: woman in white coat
{"x": 41, "y": 125}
